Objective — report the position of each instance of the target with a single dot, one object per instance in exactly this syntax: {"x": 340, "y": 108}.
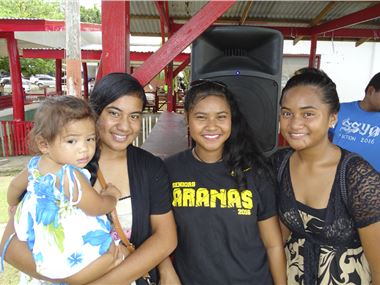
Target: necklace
{"x": 195, "y": 154}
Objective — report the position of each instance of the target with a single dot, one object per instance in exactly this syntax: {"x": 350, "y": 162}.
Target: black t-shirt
{"x": 218, "y": 237}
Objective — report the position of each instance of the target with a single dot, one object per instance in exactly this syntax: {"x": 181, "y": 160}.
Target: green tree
{"x": 30, "y": 66}
{"x": 39, "y": 9}
{"x": 35, "y": 9}
{"x": 91, "y": 15}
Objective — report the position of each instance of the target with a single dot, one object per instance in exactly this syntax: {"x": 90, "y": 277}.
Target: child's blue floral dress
{"x": 62, "y": 238}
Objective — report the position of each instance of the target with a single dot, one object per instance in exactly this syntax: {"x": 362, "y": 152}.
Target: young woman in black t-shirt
{"x": 223, "y": 197}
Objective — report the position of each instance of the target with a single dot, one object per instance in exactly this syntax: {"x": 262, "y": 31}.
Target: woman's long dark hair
{"x": 110, "y": 88}
{"x": 241, "y": 151}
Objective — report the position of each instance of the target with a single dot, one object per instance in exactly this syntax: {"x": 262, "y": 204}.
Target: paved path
{"x": 13, "y": 164}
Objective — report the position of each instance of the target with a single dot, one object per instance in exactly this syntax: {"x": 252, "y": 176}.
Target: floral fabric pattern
{"x": 336, "y": 267}
{"x": 61, "y": 237}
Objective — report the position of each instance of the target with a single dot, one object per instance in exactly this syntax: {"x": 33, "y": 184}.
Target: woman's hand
{"x": 168, "y": 276}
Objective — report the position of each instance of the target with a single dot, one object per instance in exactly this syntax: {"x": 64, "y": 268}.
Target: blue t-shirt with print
{"x": 358, "y": 131}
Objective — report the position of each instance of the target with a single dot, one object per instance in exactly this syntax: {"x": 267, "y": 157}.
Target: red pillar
{"x": 15, "y": 68}
{"x": 182, "y": 66}
{"x": 313, "y": 51}
{"x": 58, "y": 76}
{"x": 181, "y": 39}
{"x": 115, "y": 36}
{"x": 85, "y": 80}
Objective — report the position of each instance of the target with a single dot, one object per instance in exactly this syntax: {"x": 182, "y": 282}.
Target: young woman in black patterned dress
{"x": 329, "y": 205}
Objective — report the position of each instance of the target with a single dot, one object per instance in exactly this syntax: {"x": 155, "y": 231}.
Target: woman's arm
{"x": 168, "y": 276}
{"x": 370, "y": 237}
{"x": 17, "y": 187}
{"x": 271, "y": 236}
{"x": 148, "y": 255}
{"x": 285, "y": 232}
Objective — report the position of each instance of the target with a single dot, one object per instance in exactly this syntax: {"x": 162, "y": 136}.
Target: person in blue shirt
{"x": 358, "y": 126}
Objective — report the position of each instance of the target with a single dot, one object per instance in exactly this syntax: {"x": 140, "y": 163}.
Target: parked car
{"x": 48, "y": 81}
{"x": 35, "y": 78}
{"x": 6, "y": 82}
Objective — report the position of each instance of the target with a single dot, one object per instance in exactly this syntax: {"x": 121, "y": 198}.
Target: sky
{"x": 90, "y": 3}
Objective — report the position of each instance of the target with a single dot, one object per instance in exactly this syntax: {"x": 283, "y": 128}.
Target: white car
{"x": 35, "y": 78}
{"x": 6, "y": 82}
{"x": 47, "y": 80}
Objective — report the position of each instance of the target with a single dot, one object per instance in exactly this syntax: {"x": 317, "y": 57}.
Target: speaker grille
{"x": 235, "y": 52}
{"x": 248, "y": 59}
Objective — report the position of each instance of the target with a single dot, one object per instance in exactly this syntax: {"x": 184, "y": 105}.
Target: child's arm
{"x": 168, "y": 276}
{"x": 91, "y": 202}
{"x": 271, "y": 236}
{"x": 17, "y": 187}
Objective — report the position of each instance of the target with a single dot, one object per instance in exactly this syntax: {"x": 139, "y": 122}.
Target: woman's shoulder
{"x": 280, "y": 155}
{"x": 140, "y": 158}
{"x": 354, "y": 164}
{"x": 141, "y": 155}
{"x": 179, "y": 157}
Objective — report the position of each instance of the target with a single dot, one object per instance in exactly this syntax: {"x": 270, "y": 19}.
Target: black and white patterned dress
{"x": 324, "y": 247}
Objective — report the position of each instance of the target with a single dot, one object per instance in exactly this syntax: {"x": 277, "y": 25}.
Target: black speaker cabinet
{"x": 249, "y": 60}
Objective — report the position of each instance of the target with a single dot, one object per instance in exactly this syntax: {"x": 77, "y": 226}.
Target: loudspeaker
{"x": 249, "y": 60}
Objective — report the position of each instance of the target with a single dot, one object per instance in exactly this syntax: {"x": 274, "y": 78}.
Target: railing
{"x": 148, "y": 122}
{"x": 5, "y": 102}
{"x": 13, "y": 138}
{"x": 14, "y": 135}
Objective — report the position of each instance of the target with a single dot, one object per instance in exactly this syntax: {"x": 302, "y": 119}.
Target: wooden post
{"x": 313, "y": 51}
{"x": 115, "y": 36}
{"x": 85, "y": 81}
{"x": 73, "y": 50}
{"x": 58, "y": 76}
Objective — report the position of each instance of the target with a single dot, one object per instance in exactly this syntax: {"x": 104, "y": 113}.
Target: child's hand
{"x": 111, "y": 190}
{"x": 124, "y": 250}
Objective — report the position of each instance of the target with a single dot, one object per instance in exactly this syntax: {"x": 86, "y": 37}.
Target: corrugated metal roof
{"x": 145, "y": 16}
{"x": 145, "y": 19}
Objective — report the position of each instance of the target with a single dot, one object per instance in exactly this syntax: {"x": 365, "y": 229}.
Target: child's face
{"x": 210, "y": 125}
{"x": 305, "y": 118}
{"x": 75, "y": 145}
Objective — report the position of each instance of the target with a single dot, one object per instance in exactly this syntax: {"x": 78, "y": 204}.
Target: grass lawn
{"x": 10, "y": 274}
{"x": 4, "y": 182}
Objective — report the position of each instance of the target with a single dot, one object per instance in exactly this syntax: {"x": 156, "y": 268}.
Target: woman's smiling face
{"x": 120, "y": 122}
{"x": 305, "y": 118}
{"x": 210, "y": 125}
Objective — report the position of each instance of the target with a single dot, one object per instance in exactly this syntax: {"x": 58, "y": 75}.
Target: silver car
{"x": 6, "y": 82}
